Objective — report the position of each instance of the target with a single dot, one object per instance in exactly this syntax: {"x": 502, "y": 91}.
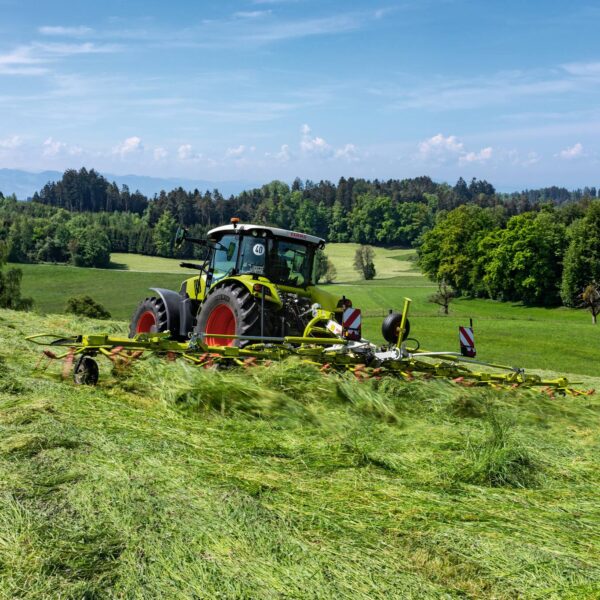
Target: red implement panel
{"x": 351, "y": 323}
{"x": 467, "y": 342}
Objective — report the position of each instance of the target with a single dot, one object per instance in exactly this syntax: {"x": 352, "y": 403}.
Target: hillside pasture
{"x": 167, "y": 481}
{"x": 558, "y": 339}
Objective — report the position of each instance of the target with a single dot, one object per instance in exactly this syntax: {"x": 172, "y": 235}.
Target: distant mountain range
{"x": 24, "y": 183}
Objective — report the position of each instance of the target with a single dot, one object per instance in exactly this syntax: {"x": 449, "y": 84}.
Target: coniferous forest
{"x": 539, "y": 246}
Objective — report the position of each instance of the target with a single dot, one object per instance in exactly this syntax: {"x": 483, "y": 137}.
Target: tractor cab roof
{"x": 275, "y": 231}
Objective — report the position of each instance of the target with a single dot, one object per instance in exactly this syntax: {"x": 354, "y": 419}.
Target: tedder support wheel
{"x": 390, "y": 328}
{"x": 150, "y": 316}
{"x": 85, "y": 371}
{"x": 232, "y": 310}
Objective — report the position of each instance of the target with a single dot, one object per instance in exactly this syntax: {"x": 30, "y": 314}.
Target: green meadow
{"x": 560, "y": 339}
{"x": 168, "y": 481}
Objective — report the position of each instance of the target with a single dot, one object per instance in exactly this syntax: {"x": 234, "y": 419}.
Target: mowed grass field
{"x": 169, "y": 481}
{"x": 560, "y": 340}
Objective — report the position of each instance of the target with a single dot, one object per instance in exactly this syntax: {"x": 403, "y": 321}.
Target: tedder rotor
{"x": 255, "y": 300}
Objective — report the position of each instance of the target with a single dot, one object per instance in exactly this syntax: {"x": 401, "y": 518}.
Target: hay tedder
{"x": 254, "y": 300}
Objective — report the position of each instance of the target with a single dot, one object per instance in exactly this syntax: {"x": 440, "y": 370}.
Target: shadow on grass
{"x": 118, "y": 266}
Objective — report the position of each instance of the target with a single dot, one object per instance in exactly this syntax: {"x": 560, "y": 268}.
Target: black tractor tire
{"x": 231, "y": 309}
{"x": 150, "y": 316}
{"x": 391, "y": 325}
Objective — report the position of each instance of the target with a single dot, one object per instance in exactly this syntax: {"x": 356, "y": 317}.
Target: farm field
{"x": 118, "y": 290}
{"x": 175, "y": 482}
{"x": 559, "y": 339}
{"x": 146, "y": 264}
{"x": 389, "y": 262}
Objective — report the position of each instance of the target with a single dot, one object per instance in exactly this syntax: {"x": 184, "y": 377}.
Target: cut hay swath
{"x": 326, "y": 346}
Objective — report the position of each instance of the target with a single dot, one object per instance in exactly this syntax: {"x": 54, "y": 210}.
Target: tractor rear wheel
{"x": 231, "y": 310}
{"x": 150, "y": 316}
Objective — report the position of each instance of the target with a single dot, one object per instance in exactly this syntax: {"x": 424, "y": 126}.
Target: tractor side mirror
{"x": 180, "y": 236}
{"x": 231, "y": 250}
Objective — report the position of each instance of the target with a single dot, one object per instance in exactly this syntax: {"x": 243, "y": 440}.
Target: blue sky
{"x": 265, "y": 89}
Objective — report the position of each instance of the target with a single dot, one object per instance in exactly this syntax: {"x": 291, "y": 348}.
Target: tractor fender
{"x": 172, "y": 301}
{"x": 271, "y": 296}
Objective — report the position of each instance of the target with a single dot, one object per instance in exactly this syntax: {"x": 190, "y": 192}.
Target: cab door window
{"x": 253, "y": 255}
{"x": 225, "y": 256}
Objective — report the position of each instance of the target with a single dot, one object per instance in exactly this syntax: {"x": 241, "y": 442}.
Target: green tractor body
{"x": 256, "y": 282}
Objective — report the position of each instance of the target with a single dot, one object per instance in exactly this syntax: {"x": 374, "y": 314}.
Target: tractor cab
{"x": 255, "y": 281}
{"x": 285, "y": 258}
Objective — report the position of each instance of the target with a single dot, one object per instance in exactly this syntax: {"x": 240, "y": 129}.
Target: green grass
{"x": 558, "y": 339}
{"x": 147, "y": 264}
{"x": 175, "y": 482}
{"x": 118, "y": 291}
{"x": 388, "y": 262}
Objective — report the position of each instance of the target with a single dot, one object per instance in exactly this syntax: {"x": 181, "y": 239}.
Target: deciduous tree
{"x": 364, "y": 261}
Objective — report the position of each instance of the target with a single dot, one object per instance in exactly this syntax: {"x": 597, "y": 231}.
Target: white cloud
{"x": 53, "y": 148}
{"x": 132, "y": 145}
{"x": 65, "y": 31}
{"x": 160, "y": 153}
{"x": 21, "y": 61}
{"x": 284, "y": 155}
{"x": 442, "y": 149}
{"x": 348, "y": 152}
{"x": 316, "y": 145}
{"x": 572, "y": 151}
{"x": 186, "y": 152}
{"x": 515, "y": 158}
{"x": 579, "y": 69}
{"x": 251, "y": 14}
{"x": 313, "y": 145}
{"x": 440, "y": 146}
{"x": 34, "y": 58}
{"x": 61, "y": 49}
{"x": 21, "y": 55}
{"x": 382, "y": 12}
{"x": 444, "y": 93}
{"x": 236, "y": 152}
{"x": 482, "y": 156}
{"x": 11, "y": 143}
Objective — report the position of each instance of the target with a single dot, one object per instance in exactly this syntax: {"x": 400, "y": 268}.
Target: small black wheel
{"x": 391, "y": 325}
{"x": 85, "y": 371}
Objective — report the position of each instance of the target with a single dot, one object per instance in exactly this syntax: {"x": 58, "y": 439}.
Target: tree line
{"x": 522, "y": 246}
{"x": 544, "y": 257}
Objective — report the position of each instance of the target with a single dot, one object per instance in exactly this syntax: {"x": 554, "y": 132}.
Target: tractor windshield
{"x": 225, "y": 256}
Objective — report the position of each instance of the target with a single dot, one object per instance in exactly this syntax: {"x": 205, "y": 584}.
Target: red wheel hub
{"x": 146, "y": 323}
{"x": 222, "y": 321}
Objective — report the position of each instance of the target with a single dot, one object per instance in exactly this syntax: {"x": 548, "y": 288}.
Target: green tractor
{"x": 257, "y": 283}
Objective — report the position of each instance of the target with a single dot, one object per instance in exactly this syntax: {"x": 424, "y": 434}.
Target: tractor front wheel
{"x": 231, "y": 310}
{"x": 149, "y": 317}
